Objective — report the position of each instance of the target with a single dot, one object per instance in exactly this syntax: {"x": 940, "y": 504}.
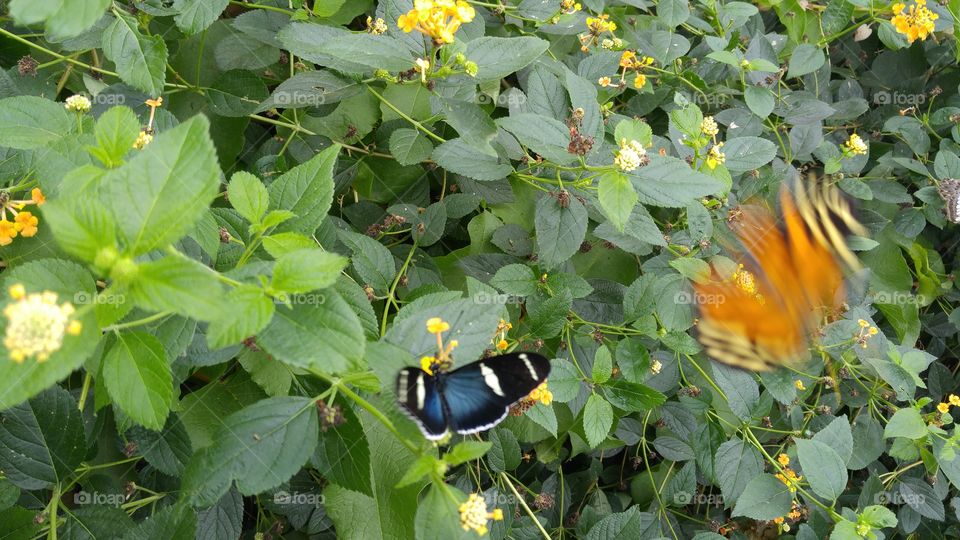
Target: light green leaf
{"x": 28, "y": 122}
{"x": 141, "y": 60}
{"x": 497, "y": 57}
{"x": 245, "y": 311}
{"x": 764, "y": 498}
{"x": 307, "y": 270}
{"x": 822, "y": 467}
{"x": 177, "y": 284}
{"x": 138, "y": 378}
{"x": 307, "y": 191}
{"x": 597, "y": 419}
{"x": 409, "y": 146}
{"x": 806, "y": 58}
{"x": 196, "y": 15}
{"x": 617, "y": 198}
{"x": 248, "y": 196}
{"x": 907, "y": 423}
{"x": 560, "y": 228}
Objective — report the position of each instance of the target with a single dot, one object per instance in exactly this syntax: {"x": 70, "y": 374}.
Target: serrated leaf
{"x": 307, "y": 270}
{"x": 307, "y": 191}
{"x": 409, "y": 146}
{"x": 28, "y": 122}
{"x": 141, "y": 60}
{"x": 597, "y": 419}
{"x": 138, "y": 378}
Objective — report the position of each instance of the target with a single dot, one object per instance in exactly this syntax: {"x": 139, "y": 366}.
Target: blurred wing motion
{"x": 473, "y": 398}
{"x": 765, "y": 322}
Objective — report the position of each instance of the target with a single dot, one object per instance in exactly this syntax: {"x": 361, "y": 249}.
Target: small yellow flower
{"x": 917, "y": 23}
{"x": 78, "y": 103}
{"x": 474, "y": 515}
{"x": 26, "y": 223}
{"x": 799, "y": 385}
{"x": 778, "y": 520}
{"x": 943, "y": 407}
{"x": 745, "y": 281}
{"x": 143, "y": 139}
{"x": 862, "y": 323}
{"x": 569, "y": 7}
{"x": 628, "y": 59}
{"x": 542, "y": 394}
{"x": 872, "y": 331}
{"x": 436, "y": 325}
{"x": 709, "y": 127}
{"x": 426, "y": 364}
{"x": 601, "y": 24}
{"x": 655, "y": 367}
{"x": 604, "y": 81}
{"x": 37, "y": 196}
{"x": 8, "y": 231}
{"x": 854, "y": 146}
{"x": 953, "y": 398}
{"x": 783, "y": 459}
{"x": 438, "y": 19}
{"x": 715, "y": 156}
{"x": 36, "y": 324}
{"x": 502, "y": 345}
{"x": 789, "y": 479}
{"x": 376, "y": 27}
{"x": 17, "y": 291}
{"x": 639, "y": 81}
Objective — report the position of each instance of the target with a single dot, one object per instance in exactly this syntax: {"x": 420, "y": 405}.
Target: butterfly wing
{"x": 419, "y": 397}
{"x": 797, "y": 264}
{"x": 479, "y": 395}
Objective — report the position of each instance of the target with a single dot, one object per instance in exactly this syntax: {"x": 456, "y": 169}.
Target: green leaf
{"x": 246, "y": 310}
{"x": 456, "y": 155}
{"x": 260, "y": 447}
{"x": 248, "y": 196}
{"x": 735, "y": 464}
{"x": 602, "y": 365}
{"x": 543, "y": 135}
{"x": 138, "y": 379}
{"x": 325, "y": 336}
{"x": 621, "y": 525}
{"x": 63, "y": 18}
{"x": 172, "y": 284}
{"x": 438, "y": 517}
{"x": 673, "y": 13}
{"x": 410, "y": 146}
{"x": 631, "y": 396}
{"x": 633, "y": 130}
{"x": 236, "y": 93}
{"x": 42, "y": 440}
{"x": 906, "y": 423}
{"x": 222, "y": 520}
{"x": 740, "y": 387}
{"x": 371, "y": 260}
{"x": 671, "y": 183}
{"x": 278, "y": 245}
{"x": 28, "y": 122}
{"x": 759, "y": 100}
{"x": 748, "y": 153}
{"x": 822, "y": 467}
{"x": 597, "y": 419}
{"x": 307, "y": 191}
{"x": 466, "y": 451}
{"x": 560, "y": 228}
{"x": 806, "y": 58}
{"x": 96, "y": 521}
{"x": 80, "y": 228}
{"x": 168, "y": 450}
{"x": 171, "y": 523}
{"x": 343, "y": 50}
{"x": 159, "y": 195}
{"x": 617, "y": 198}
{"x": 497, "y": 57}
{"x": 116, "y": 131}
{"x": 343, "y": 454}
{"x": 517, "y": 279}
{"x": 197, "y": 15}
{"x": 764, "y": 498}
{"x": 141, "y": 60}
{"x": 504, "y": 454}
{"x": 307, "y": 270}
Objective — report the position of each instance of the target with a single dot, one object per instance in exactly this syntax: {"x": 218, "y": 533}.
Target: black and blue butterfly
{"x": 470, "y": 399}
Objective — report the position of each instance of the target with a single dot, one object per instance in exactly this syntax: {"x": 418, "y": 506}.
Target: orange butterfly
{"x": 764, "y": 322}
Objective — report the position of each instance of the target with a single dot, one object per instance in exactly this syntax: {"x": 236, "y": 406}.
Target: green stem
{"x": 406, "y": 117}
{"x": 523, "y": 503}
{"x": 393, "y": 289}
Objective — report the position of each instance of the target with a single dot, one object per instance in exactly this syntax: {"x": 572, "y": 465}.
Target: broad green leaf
{"x": 81, "y": 229}
{"x": 63, "y": 18}
{"x": 307, "y": 270}
{"x": 631, "y": 396}
{"x": 248, "y": 196}
{"x": 345, "y": 51}
{"x": 171, "y": 523}
{"x": 504, "y": 454}
{"x": 602, "y": 365}
{"x": 806, "y": 58}
{"x": 158, "y": 196}
{"x": 116, "y": 131}
{"x": 621, "y": 525}
{"x": 307, "y": 191}
{"x": 197, "y": 15}
{"x": 907, "y": 423}
{"x": 543, "y": 135}
{"x": 95, "y": 521}
{"x": 671, "y": 183}
{"x": 497, "y": 57}
{"x": 735, "y": 464}
{"x": 822, "y": 467}
{"x": 748, "y": 153}
{"x": 141, "y": 60}
{"x": 173, "y": 284}
{"x": 260, "y": 447}
{"x": 617, "y": 198}
{"x": 466, "y": 451}
{"x": 740, "y": 388}
{"x": 138, "y": 378}
{"x": 222, "y": 520}
{"x": 245, "y": 311}
{"x": 28, "y": 122}
{"x": 410, "y": 146}
{"x": 438, "y": 517}
{"x": 517, "y": 279}
{"x": 456, "y": 155}
{"x": 236, "y": 93}
{"x": 372, "y": 261}
{"x": 764, "y": 498}
{"x": 561, "y": 227}
{"x": 597, "y": 419}
{"x": 168, "y": 450}
{"x": 325, "y": 336}
{"x": 278, "y": 245}
{"x": 42, "y": 440}
{"x": 759, "y": 100}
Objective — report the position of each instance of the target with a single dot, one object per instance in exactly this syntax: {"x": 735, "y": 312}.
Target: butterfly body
{"x": 472, "y": 398}
{"x": 797, "y": 257}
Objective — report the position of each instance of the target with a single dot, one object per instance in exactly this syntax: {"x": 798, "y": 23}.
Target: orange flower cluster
{"x": 24, "y": 223}
{"x": 917, "y": 23}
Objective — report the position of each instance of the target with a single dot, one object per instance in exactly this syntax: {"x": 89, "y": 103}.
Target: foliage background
{"x": 259, "y": 210}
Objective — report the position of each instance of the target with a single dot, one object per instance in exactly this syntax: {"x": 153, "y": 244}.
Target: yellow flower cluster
{"x": 952, "y": 399}
{"x": 474, "y": 515}
{"x": 441, "y": 361}
{"x": 596, "y": 27}
{"x": 78, "y": 103}
{"x": 788, "y": 476}
{"x": 655, "y": 367}
{"x": 376, "y": 27}
{"x": 715, "y": 156}
{"x": 542, "y": 394}
{"x": 36, "y": 324}
{"x": 798, "y": 384}
{"x": 865, "y": 333}
{"x": 439, "y": 19}
{"x": 853, "y": 146}
{"x": 631, "y": 155}
{"x": 709, "y": 127}
{"x": 630, "y": 62}
{"x": 24, "y": 223}
{"x": 747, "y": 283}
{"x": 569, "y": 7}
{"x": 916, "y": 23}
